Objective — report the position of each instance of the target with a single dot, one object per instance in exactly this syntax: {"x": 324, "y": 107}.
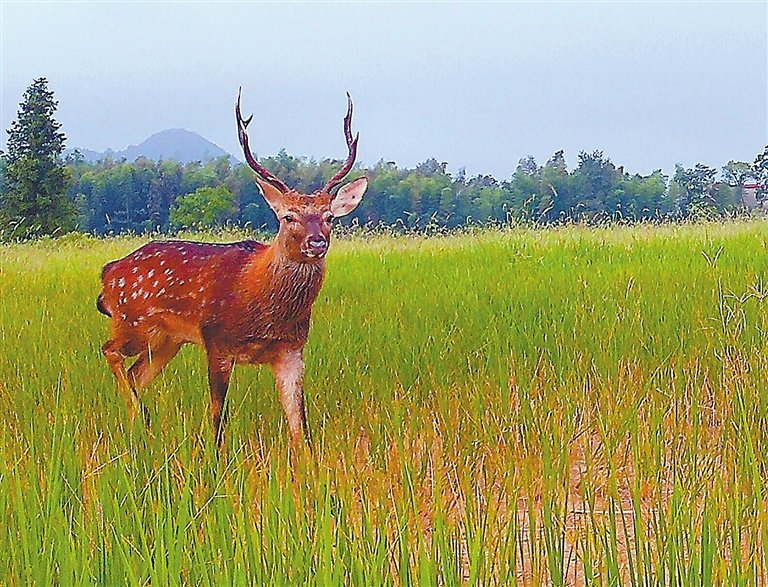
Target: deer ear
{"x": 348, "y": 197}
{"x": 272, "y": 195}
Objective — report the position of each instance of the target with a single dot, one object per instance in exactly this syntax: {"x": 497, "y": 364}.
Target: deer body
{"x": 244, "y": 303}
{"x": 233, "y": 294}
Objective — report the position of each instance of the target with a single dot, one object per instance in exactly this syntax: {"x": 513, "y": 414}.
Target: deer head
{"x": 306, "y": 219}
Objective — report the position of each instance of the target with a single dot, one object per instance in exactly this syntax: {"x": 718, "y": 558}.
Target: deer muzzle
{"x": 316, "y": 246}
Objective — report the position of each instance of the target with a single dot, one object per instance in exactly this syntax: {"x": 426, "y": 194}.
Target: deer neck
{"x": 290, "y": 279}
{"x": 285, "y": 284}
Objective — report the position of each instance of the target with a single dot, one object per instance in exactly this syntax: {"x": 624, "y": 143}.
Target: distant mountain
{"x": 174, "y": 144}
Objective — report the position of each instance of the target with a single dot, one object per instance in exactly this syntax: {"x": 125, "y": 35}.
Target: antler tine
{"x": 242, "y": 135}
{"x": 348, "y": 120}
{"x": 351, "y": 146}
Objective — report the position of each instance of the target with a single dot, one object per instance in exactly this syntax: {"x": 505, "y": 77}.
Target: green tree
{"x": 164, "y": 188}
{"x": 695, "y": 187}
{"x": 599, "y": 181}
{"x": 642, "y": 197}
{"x": 760, "y": 173}
{"x": 558, "y": 189}
{"x": 34, "y": 196}
{"x": 2, "y": 176}
{"x": 525, "y": 189}
{"x": 204, "y": 208}
{"x": 737, "y": 173}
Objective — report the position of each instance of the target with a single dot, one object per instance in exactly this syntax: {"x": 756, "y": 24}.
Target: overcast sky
{"x": 476, "y": 85}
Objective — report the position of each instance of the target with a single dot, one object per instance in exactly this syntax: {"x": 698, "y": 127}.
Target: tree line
{"x": 42, "y": 193}
{"x": 118, "y": 196}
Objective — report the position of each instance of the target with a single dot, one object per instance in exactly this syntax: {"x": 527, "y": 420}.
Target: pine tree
{"x": 34, "y": 196}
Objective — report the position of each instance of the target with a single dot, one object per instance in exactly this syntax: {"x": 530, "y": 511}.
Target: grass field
{"x": 565, "y": 406}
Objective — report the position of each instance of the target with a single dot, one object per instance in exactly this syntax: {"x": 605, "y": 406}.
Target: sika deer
{"x": 244, "y": 302}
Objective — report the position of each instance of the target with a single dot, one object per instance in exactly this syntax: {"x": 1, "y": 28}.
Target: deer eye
{"x": 328, "y": 217}
{"x": 289, "y": 218}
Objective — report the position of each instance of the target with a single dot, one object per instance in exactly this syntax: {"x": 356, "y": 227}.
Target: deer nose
{"x": 317, "y": 245}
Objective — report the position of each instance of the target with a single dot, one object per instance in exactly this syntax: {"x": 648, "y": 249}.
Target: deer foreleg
{"x": 219, "y": 371}
{"x": 288, "y": 369}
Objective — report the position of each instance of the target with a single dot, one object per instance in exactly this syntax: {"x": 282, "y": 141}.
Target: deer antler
{"x": 351, "y": 145}
{"x": 242, "y": 135}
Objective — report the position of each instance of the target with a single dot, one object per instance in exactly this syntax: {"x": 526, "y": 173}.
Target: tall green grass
{"x": 564, "y": 406}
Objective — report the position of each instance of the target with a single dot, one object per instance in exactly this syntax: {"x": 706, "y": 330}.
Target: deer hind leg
{"x": 219, "y": 371}
{"x": 151, "y": 362}
{"x": 116, "y": 352}
{"x": 288, "y": 369}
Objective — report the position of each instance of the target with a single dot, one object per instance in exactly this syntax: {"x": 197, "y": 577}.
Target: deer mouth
{"x": 315, "y": 248}
{"x": 315, "y": 252}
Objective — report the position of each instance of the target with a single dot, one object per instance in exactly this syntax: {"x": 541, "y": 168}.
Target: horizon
{"x": 476, "y": 86}
{"x": 239, "y": 160}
